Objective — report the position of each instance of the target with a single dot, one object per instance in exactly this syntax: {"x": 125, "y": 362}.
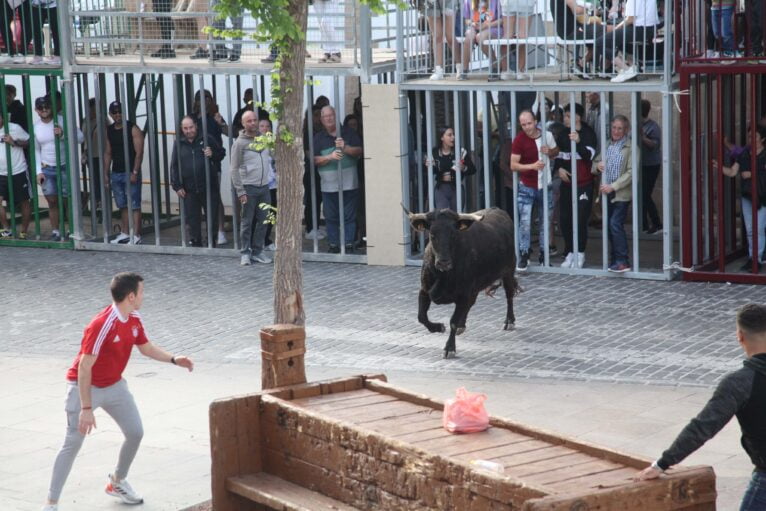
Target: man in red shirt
{"x": 95, "y": 381}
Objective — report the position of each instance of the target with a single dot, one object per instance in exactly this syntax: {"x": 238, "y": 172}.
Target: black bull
{"x": 466, "y": 253}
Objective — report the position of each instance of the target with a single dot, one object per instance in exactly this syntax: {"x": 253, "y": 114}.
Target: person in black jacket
{"x": 445, "y": 168}
{"x": 741, "y": 393}
{"x": 192, "y": 179}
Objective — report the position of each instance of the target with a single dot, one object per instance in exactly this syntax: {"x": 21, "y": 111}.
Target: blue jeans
{"x": 331, "y": 207}
{"x": 618, "y": 240}
{"x": 528, "y": 198}
{"x": 720, "y": 19}
{"x": 50, "y": 185}
{"x": 747, "y": 216}
{"x": 755, "y": 495}
{"x": 119, "y": 182}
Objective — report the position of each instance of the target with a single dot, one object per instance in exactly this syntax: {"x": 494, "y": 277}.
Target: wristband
{"x": 657, "y": 466}
{"x": 86, "y": 408}
{"x": 173, "y": 360}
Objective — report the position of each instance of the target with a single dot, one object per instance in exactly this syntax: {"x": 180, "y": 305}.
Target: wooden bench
{"x": 360, "y": 443}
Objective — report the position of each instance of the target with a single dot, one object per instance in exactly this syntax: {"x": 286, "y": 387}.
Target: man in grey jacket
{"x": 741, "y": 393}
{"x": 250, "y": 178}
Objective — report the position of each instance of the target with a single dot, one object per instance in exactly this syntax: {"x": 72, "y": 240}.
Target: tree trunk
{"x": 288, "y": 270}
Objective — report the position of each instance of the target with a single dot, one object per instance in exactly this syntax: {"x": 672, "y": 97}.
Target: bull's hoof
{"x": 509, "y": 325}
{"x": 450, "y": 353}
{"x": 459, "y": 330}
{"x": 436, "y": 327}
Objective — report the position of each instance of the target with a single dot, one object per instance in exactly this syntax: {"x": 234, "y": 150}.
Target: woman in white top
{"x": 637, "y": 28}
{"x": 516, "y": 16}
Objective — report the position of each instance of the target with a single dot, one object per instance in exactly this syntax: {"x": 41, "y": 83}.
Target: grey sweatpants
{"x": 117, "y": 401}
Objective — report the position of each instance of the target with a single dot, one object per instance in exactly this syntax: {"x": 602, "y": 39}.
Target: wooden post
{"x": 282, "y": 350}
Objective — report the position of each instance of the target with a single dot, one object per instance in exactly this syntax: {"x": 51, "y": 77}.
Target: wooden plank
{"x": 377, "y": 411}
{"x": 504, "y": 451}
{"x": 329, "y": 398}
{"x": 531, "y": 455}
{"x": 419, "y": 437}
{"x": 350, "y": 402}
{"x": 248, "y": 434}
{"x": 412, "y": 397}
{"x": 287, "y": 421}
{"x": 692, "y": 488}
{"x": 527, "y": 470}
{"x": 276, "y": 493}
{"x": 456, "y": 444}
{"x": 395, "y": 426}
{"x": 317, "y": 388}
{"x": 610, "y": 479}
{"x": 590, "y": 468}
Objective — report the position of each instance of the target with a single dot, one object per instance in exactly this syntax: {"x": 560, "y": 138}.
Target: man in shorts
{"x": 14, "y": 139}
{"x": 95, "y": 381}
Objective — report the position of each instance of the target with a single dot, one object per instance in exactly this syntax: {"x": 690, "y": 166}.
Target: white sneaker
{"x": 222, "y": 238}
{"x": 711, "y": 54}
{"x": 19, "y": 59}
{"x": 315, "y": 233}
{"x": 262, "y": 258}
{"x": 272, "y": 247}
{"x": 244, "y": 260}
{"x": 506, "y": 76}
{"x": 123, "y": 491}
{"x": 136, "y": 240}
{"x": 438, "y": 73}
{"x": 51, "y": 507}
{"x": 52, "y": 61}
{"x": 5, "y": 59}
{"x": 121, "y": 238}
{"x": 459, "y": 72}
{"x": 579, "y": 262}
{"x": 522, "y": 76}
{"x": 568, "y": 261}
{"x": 626, "y": 74}
{"x": 37, "y": 60}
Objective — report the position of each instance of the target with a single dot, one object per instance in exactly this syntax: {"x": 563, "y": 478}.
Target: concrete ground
{"x": 624, "y": 364}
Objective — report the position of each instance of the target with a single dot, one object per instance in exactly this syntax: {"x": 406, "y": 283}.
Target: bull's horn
{"x": 405, "y": 209}
{"x": 470, "y": 216}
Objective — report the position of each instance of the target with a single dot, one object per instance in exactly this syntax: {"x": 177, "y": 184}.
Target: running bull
{"x": 466, "y": 253}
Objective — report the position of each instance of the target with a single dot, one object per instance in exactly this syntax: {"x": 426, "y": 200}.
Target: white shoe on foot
{"x": 315, "y": 233}
{"x": 438, "y": 73}
{"x": 579, "y": 262}
{"x": 262, "y": 258}
{"x": 222, "y": 238}
{"x": 626, "y": 74}
{"x": 568, "y": 260}
{"x": 244, "y": 260}
{"x": 121, "y": 239}
{"x": 123, "y": 491}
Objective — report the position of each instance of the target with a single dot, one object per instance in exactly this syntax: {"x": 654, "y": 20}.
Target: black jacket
{"x": 741, "y": 393}
{"x": 192, "y": 164}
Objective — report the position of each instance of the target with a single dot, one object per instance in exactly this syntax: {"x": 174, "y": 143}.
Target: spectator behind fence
{"x": 721, "y": 14}
{"x": 220, "y": 51}
{"x": 615, "y": 167}
{"x": 639, "y": 25}
{"x": 531, "y": 152}
{"x": 16, "y": 110}
{"x": 14, "y": 53}
{"x": 584, "y": 150}
{"x": 250, "y": 167}
{"x": 743, "y": 167}
{"x": 651, "y": 162}
{"x": 216, "y": 127}
{"x": 33, "y": 16}
{"x": 482, "y": 22}
{"x": 311, "y": 197}
{"x": 565, "y": 14}
{"x": 17, "y": 139}
{"x": 264, "y": 128}
{"x": 754, "y": 13}
{"x": 329, "y": 17}
{"x": 516, "y": 16}
{"x": 205, "y": 18}
{"x": 192, "y": 181}
{"x": 90, "y": 157}
{"x": 331, "y": 147}
{"x": 445, "y": 165}
{"x": 741, "y": 393}
{"x": 165, "y": 51}
{"x": 236, "y": 124}
{"x": 50, "y": 160}
{"x": 124, "y": 172}
{"x": 440, "y": 16}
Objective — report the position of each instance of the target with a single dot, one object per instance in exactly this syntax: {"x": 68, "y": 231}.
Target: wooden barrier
{"x": 360, "y": 443}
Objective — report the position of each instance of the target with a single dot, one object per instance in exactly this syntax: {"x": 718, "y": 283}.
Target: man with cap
{"x": 50, "y": 159}
{"x": 16, "y": 139}
{"x": 123, "y": 153}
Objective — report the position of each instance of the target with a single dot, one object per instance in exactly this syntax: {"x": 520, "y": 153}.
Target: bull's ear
{"x": 419, "y": 221}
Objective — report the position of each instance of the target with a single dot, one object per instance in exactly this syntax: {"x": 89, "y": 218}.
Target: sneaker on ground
{"x": 271, "y": 247}
{"x": 37, "y": 60}
{"x": 55, "y": 236}
{"x": 506, "y": 76}
{"x": 568, "y": 260}
{"x": 22, "y": 236}
{"x": 522, "y": 76}
{"x": 200, "y": 54}
{"x": 261, "y": 258}
{"x": 315, "y": 233}
{"x": 523, "y": 261}
{"x": 52, "y": 61}
{"x": 325, "y": 58}
{"x": 553, "y": 250}
{"x": 120, "y": 238}
{"x": 123, "y": 491}
{"x": 5, "y": 233}
{"x": 244, "y": 260}
{"x": 5, "y": 59}
{"x": 461, "y": 77}
{"x": 625, "y": 74}
{"x": 579, "y": 261}
{"x": 335, "y": 58}
{"x": 136, "y": 240}
{"x": 233, "y": 58}
{"x": 438, "y": 73}
{"x": 222, "y": 238}
{"x": 493, "y": 77}
{"x": 618, "y": 268}
{"x": 333, "y": 249}
{"x": 19, "y": 59}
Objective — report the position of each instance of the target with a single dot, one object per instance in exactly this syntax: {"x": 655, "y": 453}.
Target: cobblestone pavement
{"x": 365, "y": 318}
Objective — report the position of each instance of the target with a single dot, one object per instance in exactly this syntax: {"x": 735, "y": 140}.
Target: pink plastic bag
{"x": 465, "y": 413}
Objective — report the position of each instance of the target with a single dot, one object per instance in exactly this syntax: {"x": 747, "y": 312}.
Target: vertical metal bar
{"x": 154, "y": 171}
{"x": 546, "y": 234}
{"x": 8, "y": 156}
{"x": 231, "y": 138}
{"x": 89, "y": 129}
{"x": 338, "y": 133}
{"x": 634, "y": 165}
{"x": 514, "y": 123}
{"x": 32, "y": 163}
{"x": 164, "y": 141}
{"x": 430, "y": 146}
{"x": 456, "y": 97}
{"x": 575, "y": 190}
{"x": 487, "y": 134}
{"x": 312, "y": 167}
{"x": 755, "y": 252}
{"x": 602, "y": 196}
{"x": 719, "y": 149}
{"x": 106, "y": 201}
{"x": 57, "y": 145}
{"x": 178, "y": 108}
{"x": 133, "y": 230}
{"x": 209, "y": 215}
{"x": 419, "y": 159}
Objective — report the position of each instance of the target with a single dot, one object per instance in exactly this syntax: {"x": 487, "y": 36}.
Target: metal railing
{"x": 31, "y": 34}
{"x": 452, "y": 39}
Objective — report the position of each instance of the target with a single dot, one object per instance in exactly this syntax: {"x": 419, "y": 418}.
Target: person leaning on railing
{"x": 482, "y": 20}
{"x": 33, "y": 16}
{"x": 440, "y": 16}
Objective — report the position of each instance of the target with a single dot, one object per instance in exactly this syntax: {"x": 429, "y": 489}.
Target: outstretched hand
{"x": 648, "y": 473}
{"x": 185, "y": 362}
